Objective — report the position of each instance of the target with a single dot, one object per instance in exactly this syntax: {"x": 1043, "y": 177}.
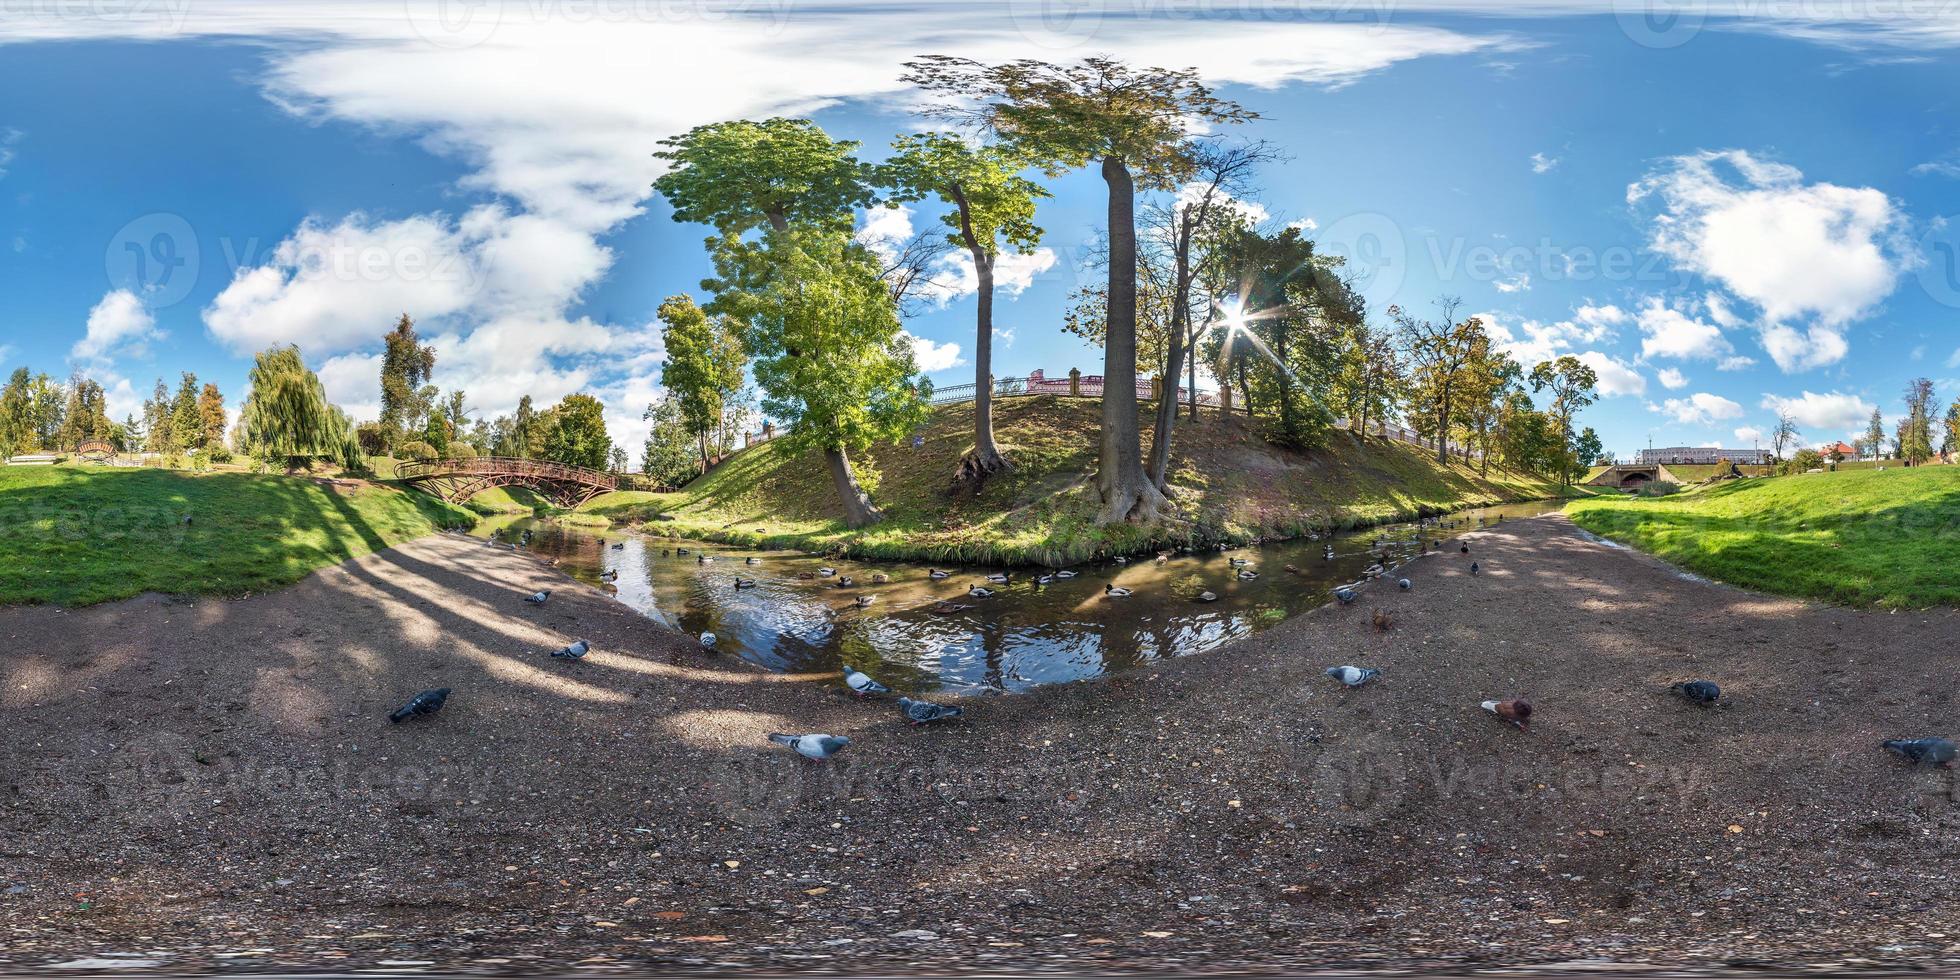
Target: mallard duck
{"x": 752, "y": 560}
{"x": 826, "y": 572}
{"x": 999, "y": 578}
{"x": 880, "y": 578}
{"x": 845, "y": 581}
{"x": 1239, "y": 562}
{"x": 1247, "y": 575}
{"x": 950, "y": 608}
{"x": 980, "y": 592}
{"x": 938, "y": 573}
{"x": 806, "y": 576}
{"x": 1043, "y": 579}
{"x": 744, "y": 583}
{"x": 1116, "y": 591}
{"x": 704, "y": 559}
{"x": 1065, "y": 573}
{"x": 1121, "y": 560}
{"x": 865, "y": 601}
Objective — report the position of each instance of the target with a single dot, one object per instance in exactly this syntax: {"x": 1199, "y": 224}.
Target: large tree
{"x": 668, "y": 457}
{"x": 186, "y": 424}
{"x": 1136, "y": 124}
{"x": 17, "y": 433}
{"x": 287, "y": 416}
{"x": 405, "y": 368}
{"x": 1573, "y": 385}
{"x": 741, "y": 175}
{"x": 991, "y": 207}
{"x": 1439, "y": 350}
{"x": 703, "y": 371}
{"x": 1784, "y": 435}
{"x": 578, "y": 437}
{"x": 829, "y": 355}
{"x": 211, "y": 416}
{"x": 1874, "y": 440}
{"x": 86, "y": 418}
{"x": 1916, "y": 429}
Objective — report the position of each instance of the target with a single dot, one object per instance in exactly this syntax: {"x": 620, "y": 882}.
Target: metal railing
{"x": 505, "y": 466}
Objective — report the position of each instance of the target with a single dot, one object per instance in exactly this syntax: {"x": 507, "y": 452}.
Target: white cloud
{"x": 886, "y": 230}
{"x": 353, "y": 381}
{"x": 1541, "y": 164}
{"x": 1531, "y": 341}
{"x": 1945, "y": 166}
{"x": 9, "y": 138}
{"x": 1615, "y": 378}
{"x": 1700, "y": 408}
{"x": 1251, "y": 212}
{"x": 1819, "y": 252}
{"x": 1833, "y": 411}
{"x": 1748, "y": 433}
{"x": 932, "y": 356}
{"x": 120, "y": 324}
{"x": 1514, "y": 284}
{"x": 1671, "y": 378}
{"x": 1304, "y": 224}
{"x": 1670, "y": 333}
{"x": 1735, "y": 362}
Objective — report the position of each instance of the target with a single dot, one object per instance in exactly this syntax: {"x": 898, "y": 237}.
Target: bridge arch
{"x": 457, "y": 480}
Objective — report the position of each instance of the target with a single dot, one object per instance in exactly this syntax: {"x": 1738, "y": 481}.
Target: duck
{"x": 1247, "y": 575}
{"x": 744, "y": 583}
{"x": 1517, "y": 711}
{"x": 1121, "y": 560}
{"x": 1374, "y": 571}
{"x": 1464, "y": 550}
{"x": 619, "y": 546}
{"x": 865, "y": 601}
{"x": 950, "y": 608}
{"x": 1239, "y": 562}
{"x": 609, "y": 575}
{"x": 678, "y": 551}
{"x": 938, "y": 573}
{"x": 1044, "y": 579}
{"x": 1117, "y": 592}
{"x": 703, "y": 559}
{"x": 1163, "y": 556}
{"x": 1065, "y": 573}
{"x": 752, "y": 560}
{"x": 826, "y": 572}
{"x": 806, "y": 576}
{"x": 1292, "y": 569}
{"x": 1382, "y": 621}
{"x": 980, "y": 592}
{"x": 845, "y": 581}
{"x": 880, "y": 578}
{"x": 1207, "y": 596}
{"x": 999, "y": 578}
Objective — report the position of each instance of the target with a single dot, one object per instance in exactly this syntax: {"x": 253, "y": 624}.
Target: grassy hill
{"x": 80, "y": 535}
{"x": 1890, "y": 538}
{"x": 1231, "y": 485}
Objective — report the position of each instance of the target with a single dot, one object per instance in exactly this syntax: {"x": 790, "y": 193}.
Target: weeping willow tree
{"x": 288, "y": 419}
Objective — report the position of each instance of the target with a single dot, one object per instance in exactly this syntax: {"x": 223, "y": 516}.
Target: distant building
{"x": 1848, "y": 452}
{"x": 1703, "y": 454}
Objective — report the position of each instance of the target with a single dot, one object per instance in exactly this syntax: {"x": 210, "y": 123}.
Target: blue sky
{"x": 1726, "y": 210}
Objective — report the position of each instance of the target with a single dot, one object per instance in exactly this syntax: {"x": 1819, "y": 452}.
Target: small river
{"x": 921, "y": 635}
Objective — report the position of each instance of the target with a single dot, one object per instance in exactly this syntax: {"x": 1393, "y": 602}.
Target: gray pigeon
{"x": 1345, "y": 593}
{"x": 576, "y": 651}
{"x": 861, "y": 683}
{"x": 1473, "y": 568}
{"x": 708, "y": 640}
{"x": 431, "y": 701}
{"x": 1700, "y": 692}
{"x": 538, "y": 598}
{"x": 1403, "y": 584}
{"x": 1351, "y": 675}
{"x": 926, "y": 712}
{"x": 817, "y": 747}
{"x": 1922, "y": 751}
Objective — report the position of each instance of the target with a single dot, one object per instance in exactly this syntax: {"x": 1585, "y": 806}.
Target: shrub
{"x": 1804, "y": 461}
{"x": 416, "y": 449}
{"x": 217, "y": 453}
{"x": 1659, "y": 488}
{"x": 461, "y": 450}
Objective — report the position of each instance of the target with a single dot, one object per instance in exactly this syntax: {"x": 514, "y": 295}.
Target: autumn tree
{"x": 1136, "y": 124}
{"x": 990, "y": 208}
{"x": 211, "y": 416}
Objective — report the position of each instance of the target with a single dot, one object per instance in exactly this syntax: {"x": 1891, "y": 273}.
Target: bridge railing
{"x": 505, "y": 466}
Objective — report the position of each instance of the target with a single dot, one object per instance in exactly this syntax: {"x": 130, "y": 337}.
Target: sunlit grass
{"x": 1860, "y": 537}
{"x": 76, "y": 536}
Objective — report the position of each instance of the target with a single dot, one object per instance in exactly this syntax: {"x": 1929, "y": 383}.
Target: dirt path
{"x": 196, "y": 781}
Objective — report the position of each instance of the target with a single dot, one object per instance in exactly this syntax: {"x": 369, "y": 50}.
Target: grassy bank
{"x": 83, "y": 535}
{"x": 1231, "y": 485}
{"x": 1859, "y": 537}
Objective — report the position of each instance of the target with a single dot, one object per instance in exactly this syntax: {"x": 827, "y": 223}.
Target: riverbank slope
{"x": 214, "y": 785}
{"x": 1889, "y": 538}
{"x": 1231, "y": 485}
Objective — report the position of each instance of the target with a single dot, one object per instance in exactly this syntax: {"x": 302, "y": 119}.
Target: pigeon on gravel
{"x": 861, "y": 683}
{"x": 1465, "y": 549}
{"x": 1922, "y": 751}
{"x": 538, "y": 598}
{"x": 1351, "y": 675}
{"x": 1403, "y": 584}
{"x": 708, "y": 640}
{"x": 816, "y": 747}
{"x": 1473, "y": 568}
{"x": 1700, "y": 692}
{"x": 576, "y": 651}
{"x": 926, "y": 712}
{"x": 1346, "y": 594}
{"x": 1516, "y": 711}
{"x": 431, "y": 701}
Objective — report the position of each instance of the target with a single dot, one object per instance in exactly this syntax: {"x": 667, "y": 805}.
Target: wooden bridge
{"x": 457, "y": 480}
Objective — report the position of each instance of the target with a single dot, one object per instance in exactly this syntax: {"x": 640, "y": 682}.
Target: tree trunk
{"x": 1443, "y": 427}
{"x": 985, "y": 459}
{"x": 1127, "y": 493}
{"x": 859, "y": 511}
{"x": 1191, "y": 366}
{"x": 1158, "y": 468}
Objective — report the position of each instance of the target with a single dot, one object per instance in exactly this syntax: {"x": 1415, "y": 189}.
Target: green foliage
{"x": 211, "y": 416}
{"x": 418, "y": 450}
{"x": 579, "y": 436}
{"x": 668, "y": 457}
{"x": 288, "y": 418}
{"x": 1886, "y": 538}
{"x": 405, "y": 366}
{"x": 1572, "y": 383}
{"x": 990, "y": 203}
{"x": 87, "y": 535}
{"x": 1804, "y": 461}
{"x": 186, "y": 422}
{"x": 17, "y": 429}
{"x": 86, "y": 418}
{"x": 703, "y": 371}
{"x": 741, "y": 175}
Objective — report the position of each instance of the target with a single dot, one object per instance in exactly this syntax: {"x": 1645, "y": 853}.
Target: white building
{"x": 1702, "y": 454}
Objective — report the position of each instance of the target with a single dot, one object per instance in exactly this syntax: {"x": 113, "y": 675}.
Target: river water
{"x": 797, "y": 619}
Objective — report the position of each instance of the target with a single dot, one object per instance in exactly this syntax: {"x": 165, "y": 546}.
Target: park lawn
{"x": 1857, "y": 537}
{"x": 81, "y": 535}
{"x": 1232, "y": 486}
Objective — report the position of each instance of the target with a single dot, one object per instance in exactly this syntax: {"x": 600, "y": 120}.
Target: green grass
{"x": 1231, "y": 485}
{"x": 1856, "y": 537}
{"x": 77, "y": 536}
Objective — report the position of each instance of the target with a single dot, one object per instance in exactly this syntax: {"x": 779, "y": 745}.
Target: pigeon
{"x": 926, "y": 712}
{"x": 1351, "y": 675}
{"x": 1403, "y": 584}
{"x": 431, "y": 701}
{"x": 576, "y": 651}
{"x": 1920, "y": 751}
{"x": 813, "y": 747}
{"x": 1464, "y": 550}
{"x": 861, "y": 683}
{"x": 1207, "y": 596}
{"x": 708, "y": 640}
{"x": 1474, "y": 569}
{"x": 1346, "y": 594}
{"x": 744, "y": 583}
{"x": 538, "y": 598}
{"x": 1065, "y": 573}
{"x": 1116, "y": 592}
{"x": 936, "y": 574}
{"x": 1700, "y": 692}
{"x": 1516, "y": 711}
{"x": 980, "y": 592}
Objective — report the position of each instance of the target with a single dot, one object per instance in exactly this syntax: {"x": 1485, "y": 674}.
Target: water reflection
{"x": 795, "y": 618}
